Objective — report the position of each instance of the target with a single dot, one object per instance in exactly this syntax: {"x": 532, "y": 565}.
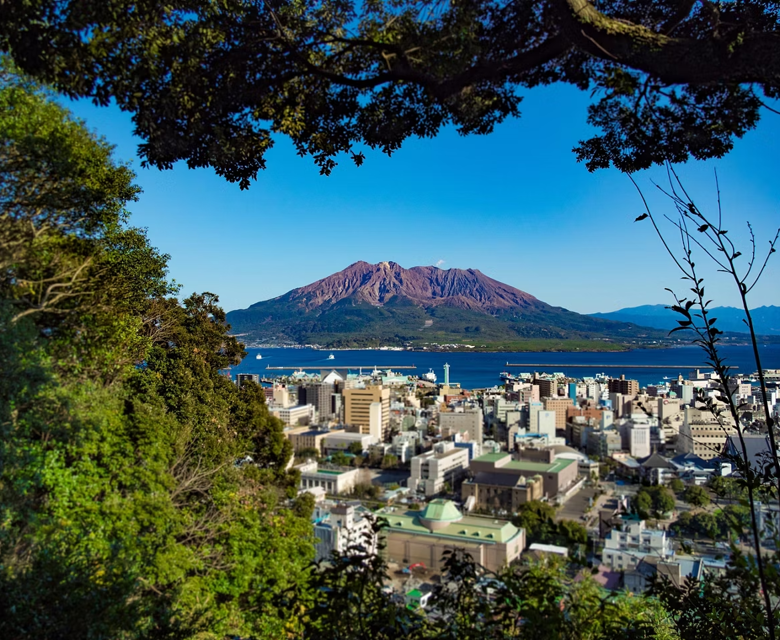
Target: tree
{"x": 677, "y": 485}
{"x": 355, "y": 448}
{"x": 744, "y": 597}
{"x": 389, "y": 461}
{"x": 696, "y": 496}
{"x": 210, "y": 83}
{"x": 140, "y": 489}
{"x": 340, "y": 459}
{"x": 657, "y": 499}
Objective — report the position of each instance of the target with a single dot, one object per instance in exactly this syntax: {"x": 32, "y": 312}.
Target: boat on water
{"x": 508, "y": 377}
{"x": 430, "y": 376}
{"x": 258, "y": 357}
{"x": 331, "y": 357}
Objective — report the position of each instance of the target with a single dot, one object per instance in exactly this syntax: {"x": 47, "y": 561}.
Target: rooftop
{"x": 469, "y": 529}
{"x": 524, "y": 465}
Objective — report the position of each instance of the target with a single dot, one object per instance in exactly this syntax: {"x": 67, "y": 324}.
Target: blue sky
{"x": 515, "y": 205}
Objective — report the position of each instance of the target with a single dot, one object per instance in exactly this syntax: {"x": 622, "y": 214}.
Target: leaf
{"x": 703, "y": 228}
{"x": 642, "y": 217}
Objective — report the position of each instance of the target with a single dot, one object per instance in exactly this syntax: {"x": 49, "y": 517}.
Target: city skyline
{"x": 514, "y": 204}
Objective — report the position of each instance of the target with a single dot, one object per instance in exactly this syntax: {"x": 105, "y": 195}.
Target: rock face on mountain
{"x": 369, "y": 303}
{"x": 377, "y": 284}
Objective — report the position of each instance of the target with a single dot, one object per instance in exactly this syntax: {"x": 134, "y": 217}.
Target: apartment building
{"x": 625, "y": 548}
{"x": 625, "y": 387}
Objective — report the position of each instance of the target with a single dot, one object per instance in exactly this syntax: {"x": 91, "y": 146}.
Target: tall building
{"x": 357, "y": 408}
{"x": 560, "y": 406}
{"x": 628, "y": 388}
{"x": 320, "y": 395}
{"x": 547, "y": 388}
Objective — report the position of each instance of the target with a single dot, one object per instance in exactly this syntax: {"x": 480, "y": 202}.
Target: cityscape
{"x": 389, "y": 320}
{"x": 637, "y": 475}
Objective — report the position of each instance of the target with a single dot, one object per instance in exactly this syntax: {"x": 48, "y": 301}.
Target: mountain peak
{"x": 379, "y": 283}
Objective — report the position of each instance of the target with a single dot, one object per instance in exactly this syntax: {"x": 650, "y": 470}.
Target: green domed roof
{"x": 441, "y": 511}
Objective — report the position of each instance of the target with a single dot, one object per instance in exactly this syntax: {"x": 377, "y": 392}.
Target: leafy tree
{"x": 677, "y": 485}
{"x": 643, "y": 504}
{"x": 355, "y": 448}
{"x": 209, "y": 83}
{"x": 696, "y": 496}
{"x": 389, "y": 461}
{"x": 140, "y": 490}
{"x": 538, "y": 520}
{"x": 340, "y": 459}
{"x": 656, "y": 499}
{"x": 309, "y": 452}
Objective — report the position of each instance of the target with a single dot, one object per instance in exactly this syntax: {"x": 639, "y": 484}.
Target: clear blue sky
{"x": 515, "y": 205}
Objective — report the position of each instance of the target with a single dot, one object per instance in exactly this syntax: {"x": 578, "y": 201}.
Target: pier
{"x": 617, "y": 366}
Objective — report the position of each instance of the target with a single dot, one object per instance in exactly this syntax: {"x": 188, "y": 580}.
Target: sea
{"x": 483, "y": 370}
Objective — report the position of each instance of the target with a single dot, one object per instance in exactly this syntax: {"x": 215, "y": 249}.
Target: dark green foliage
{"x": 732, "y": 520}
{"x": 696, "y": 496}
{"x": 656, "y": 500}
{"x": 677, "y": 485}
{"x": 209, "y": 83}
{"x": 538, "y": 520}
{"x": 533, "y": 601}
{"x": 140, "y": 490}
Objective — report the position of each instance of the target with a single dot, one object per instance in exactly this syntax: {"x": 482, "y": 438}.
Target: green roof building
{"x": 423, "y": 536}
{"x": 557, "y": 475}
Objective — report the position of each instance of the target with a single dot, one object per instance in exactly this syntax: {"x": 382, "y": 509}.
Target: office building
{"x": 358, "y": 412}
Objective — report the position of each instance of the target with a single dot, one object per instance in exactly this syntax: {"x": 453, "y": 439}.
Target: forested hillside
{"x": 122, "y": 513}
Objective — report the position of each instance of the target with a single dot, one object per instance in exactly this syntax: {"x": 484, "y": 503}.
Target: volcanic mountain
{"x": 366, "y": 304}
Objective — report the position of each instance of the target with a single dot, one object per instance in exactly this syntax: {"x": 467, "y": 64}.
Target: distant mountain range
{"x": 366, "y": 304}
{"x": 765, "y": 319}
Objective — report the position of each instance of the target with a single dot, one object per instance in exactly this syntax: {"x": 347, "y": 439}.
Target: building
{"x": 702, "y": 434}
{"x": 423, "y": 536}
{"x": 334, "y": 481}
{"x": 557, "y": 475}
{"x": 444, "y": 464}
{"x": 625, "y": 387}
{"x": 625, "y": 547}
{"x": 358, "y": 411}
{"x": 304, "y": 438}
{"x": 292, "y": 416}
{"x": 322, "y": 396}
{"x": 547, "y": 388}
{"x": 604, "y": 443}
{"x": 340, "y": 528}
{"x": 342, "y": 441}
{"x": 502, "y": 491}
{"x": 470, "y": 420}
{"x": 241, "y": 378}
{"x": 560, "y": 406}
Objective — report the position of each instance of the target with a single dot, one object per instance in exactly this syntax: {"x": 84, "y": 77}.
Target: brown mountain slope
{"x": 369, "y": 303}
{"x": 377, "y": 284}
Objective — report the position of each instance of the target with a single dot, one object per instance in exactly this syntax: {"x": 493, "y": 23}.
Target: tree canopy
{"x": 128, "y": 503}
{"x": 212, "y": 82}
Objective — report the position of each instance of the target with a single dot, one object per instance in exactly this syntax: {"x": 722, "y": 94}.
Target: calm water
{"x": 478, "y": 370}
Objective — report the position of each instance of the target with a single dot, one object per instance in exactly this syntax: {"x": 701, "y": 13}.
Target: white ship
{"x": 430, "y": 376}
{"x": 331, "y": 357}
{"x": 258, "y": 357}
